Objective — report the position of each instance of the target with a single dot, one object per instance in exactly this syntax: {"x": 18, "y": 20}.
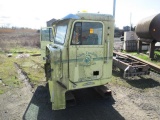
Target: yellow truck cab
{"x": 78, "y": 50}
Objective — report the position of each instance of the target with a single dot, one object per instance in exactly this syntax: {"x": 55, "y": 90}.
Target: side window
{"x": 46, "y": 34}
{"x": 87, "y": 33}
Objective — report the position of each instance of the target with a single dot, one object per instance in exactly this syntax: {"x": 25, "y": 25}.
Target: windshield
{"x": 61, "y": 30}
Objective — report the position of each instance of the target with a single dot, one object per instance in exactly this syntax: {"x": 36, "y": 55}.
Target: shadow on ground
{"x": 141, "y": 82}
{"x": 90, "y": 106}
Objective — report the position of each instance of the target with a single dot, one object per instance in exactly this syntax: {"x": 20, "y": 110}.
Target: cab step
{"x": 103, "y": 91}
{"x": 70, "y": 99}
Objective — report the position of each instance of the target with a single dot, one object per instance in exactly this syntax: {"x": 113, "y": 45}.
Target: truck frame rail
{"x": 129, "y": 66}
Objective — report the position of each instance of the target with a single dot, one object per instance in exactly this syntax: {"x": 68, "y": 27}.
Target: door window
{"x": 87, "y": 33}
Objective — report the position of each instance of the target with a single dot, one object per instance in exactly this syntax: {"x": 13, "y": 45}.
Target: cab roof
{"x": 89, "y": 16}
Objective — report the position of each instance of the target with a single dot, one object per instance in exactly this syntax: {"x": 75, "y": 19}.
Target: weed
{"x": 1, "y": 91}
{"x": 33, "y": 67}
{"x": 146, "y": 57}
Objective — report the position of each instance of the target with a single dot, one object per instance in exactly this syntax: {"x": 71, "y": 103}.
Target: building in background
{"x": 126, "y": 28}
{"x": 50, "y": 22}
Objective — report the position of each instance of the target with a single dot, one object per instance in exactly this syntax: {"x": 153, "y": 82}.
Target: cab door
{"x": 86, "y": 52}
{"x": 46, "y": 37}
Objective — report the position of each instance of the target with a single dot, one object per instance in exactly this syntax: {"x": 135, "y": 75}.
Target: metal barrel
{"x": 149, "y": 28}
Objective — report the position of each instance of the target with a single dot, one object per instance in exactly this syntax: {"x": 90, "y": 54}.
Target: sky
{"x": 35, "y": 13}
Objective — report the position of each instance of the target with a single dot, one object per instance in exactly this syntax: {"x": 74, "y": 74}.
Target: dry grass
{"x": 10, "y": 38}
{"x": 6, "y": 30}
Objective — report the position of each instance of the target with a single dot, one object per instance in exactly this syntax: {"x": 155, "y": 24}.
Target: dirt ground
{"x": 136, "y": 98}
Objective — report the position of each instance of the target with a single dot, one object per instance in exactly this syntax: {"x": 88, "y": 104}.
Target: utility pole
{"x": 114, "y": 7}
{"x": 130, "y": 21}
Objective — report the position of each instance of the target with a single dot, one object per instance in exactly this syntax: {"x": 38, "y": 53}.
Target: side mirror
{"x": 46, "y": 37}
